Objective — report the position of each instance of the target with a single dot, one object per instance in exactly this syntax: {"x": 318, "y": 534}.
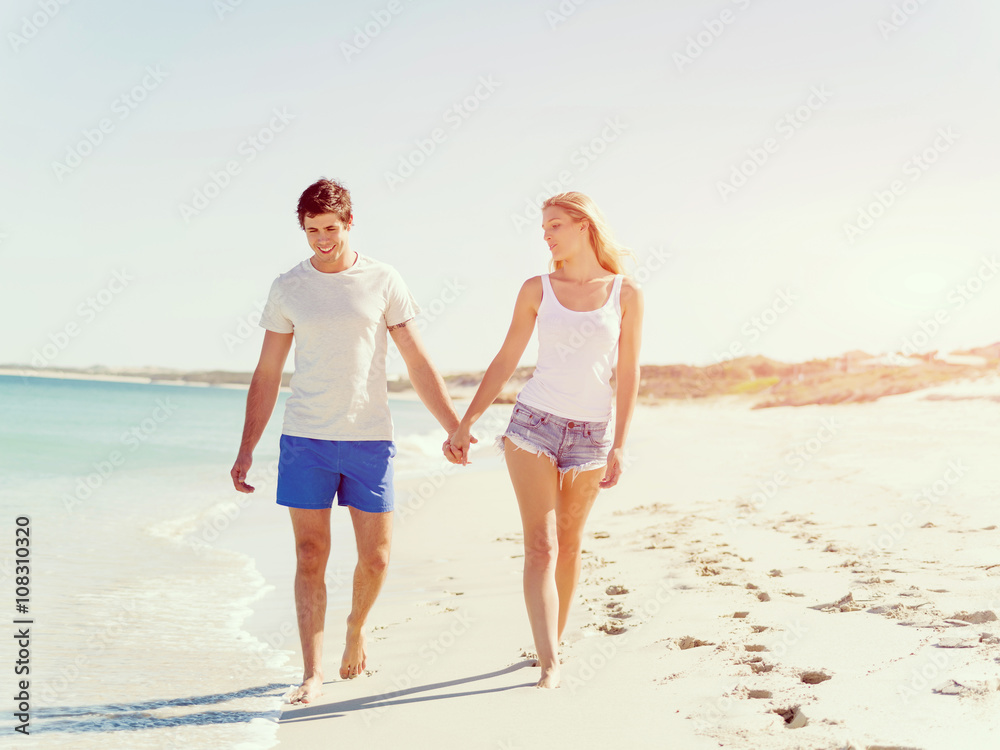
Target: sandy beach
{"x": 821, "y": 576}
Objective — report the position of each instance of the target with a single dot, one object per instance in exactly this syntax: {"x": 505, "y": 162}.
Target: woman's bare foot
{"x": 550, "y": 678}
{"x": 533, "y": 657}
{"x": 355, "y": 658}
{"x": 310, "y": 689}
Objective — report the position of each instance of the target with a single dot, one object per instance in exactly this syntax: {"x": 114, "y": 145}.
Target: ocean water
{"x": 146, "y": 563}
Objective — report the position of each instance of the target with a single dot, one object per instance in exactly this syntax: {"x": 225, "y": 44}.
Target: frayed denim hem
{"x": 527, "y": 445}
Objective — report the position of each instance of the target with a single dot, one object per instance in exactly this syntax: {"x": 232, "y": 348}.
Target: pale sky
{"x": 810, "y": 111}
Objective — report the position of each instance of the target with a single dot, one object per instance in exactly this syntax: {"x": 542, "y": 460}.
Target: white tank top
{"x": 576, "y": 357}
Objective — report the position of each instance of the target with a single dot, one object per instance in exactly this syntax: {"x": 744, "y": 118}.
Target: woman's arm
{"x": 626, "y": 376}
{"x": 503, "y": 365}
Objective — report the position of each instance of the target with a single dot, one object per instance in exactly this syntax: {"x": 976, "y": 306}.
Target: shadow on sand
{"x": 400, "y": 697}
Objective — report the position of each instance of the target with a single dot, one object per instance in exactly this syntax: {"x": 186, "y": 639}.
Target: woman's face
{"x": 564, "y": 236}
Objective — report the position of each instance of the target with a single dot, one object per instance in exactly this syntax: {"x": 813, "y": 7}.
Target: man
{"x": 337, "y": 433}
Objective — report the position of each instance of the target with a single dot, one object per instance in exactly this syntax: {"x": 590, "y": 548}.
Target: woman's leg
{"x": 573, "y": 505}
{"x": 535, "y": 482}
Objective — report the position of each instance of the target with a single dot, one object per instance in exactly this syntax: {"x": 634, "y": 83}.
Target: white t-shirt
{"x": 340, "y": 321}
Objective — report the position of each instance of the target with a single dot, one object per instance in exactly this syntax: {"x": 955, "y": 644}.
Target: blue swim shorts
{"x": 358, "y": 473}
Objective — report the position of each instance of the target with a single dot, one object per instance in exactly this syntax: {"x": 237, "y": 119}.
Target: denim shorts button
{"x": 571, "y": 424}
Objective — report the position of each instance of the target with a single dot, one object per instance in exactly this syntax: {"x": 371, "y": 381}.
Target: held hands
{"x": 456, "y": 447}
{"x": 239, "y": 472}
{"x": 616, "y": 459}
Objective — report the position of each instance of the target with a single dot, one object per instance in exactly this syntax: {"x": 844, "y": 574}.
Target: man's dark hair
{"x": 325, "y": 197}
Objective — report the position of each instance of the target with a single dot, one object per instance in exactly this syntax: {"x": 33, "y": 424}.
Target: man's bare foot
{"x": 550, "y": 678}
{"x": 355, "y": 658}
{"x": 310, "y": 689}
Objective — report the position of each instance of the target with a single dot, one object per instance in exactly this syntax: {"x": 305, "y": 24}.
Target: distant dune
{"x": 853, "y": 377}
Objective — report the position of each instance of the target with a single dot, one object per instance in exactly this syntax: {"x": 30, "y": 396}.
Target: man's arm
{"x": 261, "y": 398}
{"x": 426, "y": 380}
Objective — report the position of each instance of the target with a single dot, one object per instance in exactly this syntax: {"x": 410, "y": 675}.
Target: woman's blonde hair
{"x": 580, "y": 207}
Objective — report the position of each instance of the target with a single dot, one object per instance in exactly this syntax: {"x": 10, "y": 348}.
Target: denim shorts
{"x": 569, "y": 444}
{"x": 358, "y": 473}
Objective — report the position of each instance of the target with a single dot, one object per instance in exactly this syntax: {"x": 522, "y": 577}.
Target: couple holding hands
{"x": 337, "y": 435}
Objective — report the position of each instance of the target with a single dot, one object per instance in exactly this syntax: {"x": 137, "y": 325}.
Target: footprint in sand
{"x": 613, "y": 627}
{"x": 615, "y": 610}
{"x": 793, "y": 716}
{"x": 814, "y": 678}
{"x": 976, "y": 618}
{"x": 688, "y": 642}
{"x": 758, "y": 665}
{"x": 843, "y": 604}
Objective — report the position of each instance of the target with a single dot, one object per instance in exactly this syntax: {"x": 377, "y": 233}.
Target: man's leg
{"x": 373, "y": 533}
{"x": 312, "y": 548}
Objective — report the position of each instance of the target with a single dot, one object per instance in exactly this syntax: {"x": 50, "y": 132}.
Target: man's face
{"x": 328, "y": 237}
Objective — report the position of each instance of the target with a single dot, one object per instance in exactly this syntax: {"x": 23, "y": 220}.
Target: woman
{"x": 587, "y": 311}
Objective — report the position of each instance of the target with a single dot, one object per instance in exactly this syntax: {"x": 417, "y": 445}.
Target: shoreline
{"x": 108, "y": 378}
{"x": 855, "y": 377}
